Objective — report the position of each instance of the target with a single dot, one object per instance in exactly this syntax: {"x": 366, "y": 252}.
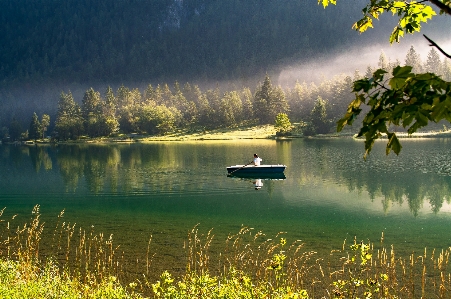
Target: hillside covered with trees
{"x": 55, "y": 48}
{"x": 162, "y": 109}
{"x": 139, "y": 41}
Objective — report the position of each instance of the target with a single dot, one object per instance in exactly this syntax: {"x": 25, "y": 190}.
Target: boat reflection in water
{"x": 258, "y": 178}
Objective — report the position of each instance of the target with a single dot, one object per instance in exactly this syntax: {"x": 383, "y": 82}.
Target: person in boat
{"x": 257, "y": 160}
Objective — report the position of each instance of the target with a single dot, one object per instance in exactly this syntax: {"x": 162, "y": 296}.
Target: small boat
{"x": 262, "y": 176}
{"x": 261, "y": 169}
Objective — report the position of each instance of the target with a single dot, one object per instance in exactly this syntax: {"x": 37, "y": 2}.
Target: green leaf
{"x": 402, "y": 71}
{"x": 393, "y": 144}
{"x": 396, "y": 34}
{"x": 362, "y": 85}
{"x": 379, "y": 74}
{"x": 363, "y": 24}
{"x": 407, "y": 119}
{"x": 441, "y": 109}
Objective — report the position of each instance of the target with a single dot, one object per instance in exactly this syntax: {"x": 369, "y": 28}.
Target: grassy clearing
{"x": 257, "y": 132}
{"x": 83, "y": 264}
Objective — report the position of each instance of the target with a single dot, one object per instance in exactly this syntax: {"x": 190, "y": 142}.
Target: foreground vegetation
{"x": 250, "y": 266}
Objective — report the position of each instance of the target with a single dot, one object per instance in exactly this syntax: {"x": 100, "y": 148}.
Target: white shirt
{"x": 257, "y": 161}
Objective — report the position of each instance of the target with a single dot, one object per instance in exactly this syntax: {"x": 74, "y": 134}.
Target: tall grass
{"x": 85, "y": 264}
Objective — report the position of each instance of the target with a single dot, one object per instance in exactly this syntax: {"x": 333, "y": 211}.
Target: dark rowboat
{"x": 260, "y": 169}
{"x": 254, "y": 176}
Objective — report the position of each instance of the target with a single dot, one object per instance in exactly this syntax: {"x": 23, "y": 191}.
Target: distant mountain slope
{"x": 140, "y": 40}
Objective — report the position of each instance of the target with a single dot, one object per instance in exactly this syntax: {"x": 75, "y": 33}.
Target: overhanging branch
{"x": 442, "y": 6}
{"x": 433, "y": 44}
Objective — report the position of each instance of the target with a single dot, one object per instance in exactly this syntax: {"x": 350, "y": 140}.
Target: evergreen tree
{"x": 297, "y": 99}
{"x": 262, "y": 101}
{"x": 369, "y": 72}
{"x": 384, "y": 62}
{"x": 446, "y": 69}
{"x": 34, "y": 131}
{"x": 269, "y": 101}
{"x": 190, "y": 115}
{"x": 279, "y": 104}
{"x": 318, "y": 116}
{"x": 357, "y": 75}
{"x": 69, "y": 121}
{"x": 168, "y": 96}
{"x": 149, "y": 94}
{"x": 231, "y": 109}
{"x": 433, "y": 62}
{"x": 206, "y": 113}
{"x": 213, "y": 97}
{"x": 127, "y": 108}
{"x": 413, "y": 59}
{"x": 180, "y": 101}
{"x": 45, "y": 123}
{"x": 248, "y": 111}
{"x": 92, "y": 112}
{"x": 108, "y": 120}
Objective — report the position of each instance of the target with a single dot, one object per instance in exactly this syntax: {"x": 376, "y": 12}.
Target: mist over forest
{"x": 49, "y": 47}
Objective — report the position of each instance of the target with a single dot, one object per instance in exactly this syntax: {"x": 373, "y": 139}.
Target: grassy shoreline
{"x": 225, "y": 134}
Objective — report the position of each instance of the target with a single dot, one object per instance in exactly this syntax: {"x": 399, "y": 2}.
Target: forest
{"x": 140, "y": 41}
{"x": 306, "y": 109}
{"x": 49, "y": 46}
{"x": 147, "y": 51}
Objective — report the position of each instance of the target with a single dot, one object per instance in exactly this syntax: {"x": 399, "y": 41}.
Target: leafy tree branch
{"x": 409, "y": 100}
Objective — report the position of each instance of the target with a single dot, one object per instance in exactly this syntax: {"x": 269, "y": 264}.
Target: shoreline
{"x": 248, "y": 133}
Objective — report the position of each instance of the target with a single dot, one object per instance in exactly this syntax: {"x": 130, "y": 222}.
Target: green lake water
{"x": 163, "y": 189}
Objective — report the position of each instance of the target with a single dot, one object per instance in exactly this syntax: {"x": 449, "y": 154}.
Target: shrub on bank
{"x": 21, "y": 280}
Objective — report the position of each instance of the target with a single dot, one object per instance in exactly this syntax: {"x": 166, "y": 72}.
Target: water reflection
{"x": 416, "y": 177}
{"x": 257, "y": 179}
{"x": 419, "y": 177}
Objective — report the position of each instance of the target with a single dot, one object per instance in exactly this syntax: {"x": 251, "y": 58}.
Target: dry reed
{"x": 356, "y": 270}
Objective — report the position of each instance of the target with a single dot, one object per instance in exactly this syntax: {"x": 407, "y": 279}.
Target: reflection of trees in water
{"x": 395, "y": 179}
{"x": 94, "y": 164}
{"x": 70, "y": 165}
{"x": 40, "y": 157}
{"x": 414, "y": 189}
{"x": 118, "y": 167}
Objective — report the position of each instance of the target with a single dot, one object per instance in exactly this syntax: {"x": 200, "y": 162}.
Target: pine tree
{"x": 92, "y": 112}
{"x": 34, "y": 131}
{"x": 413, "y": 59}
{"x": 433, "y": 62}
{"x": 246, "y": 96}
{"x": 384, "y": 62}
{"x": 446, "y": 69}
{"x": 319, "y": 117}
{"x": 45, "y": 123}
{"x": 109, "y": 122}
{"x": 369, "y": 72}
{"x": 69, "y": 121}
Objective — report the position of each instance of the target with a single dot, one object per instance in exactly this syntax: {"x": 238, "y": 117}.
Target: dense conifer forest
{"x": 138, "y": 40}
{"x": 100, "y": 49}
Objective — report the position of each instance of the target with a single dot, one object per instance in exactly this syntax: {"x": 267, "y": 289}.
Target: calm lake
{"x": 163, "y": 189}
